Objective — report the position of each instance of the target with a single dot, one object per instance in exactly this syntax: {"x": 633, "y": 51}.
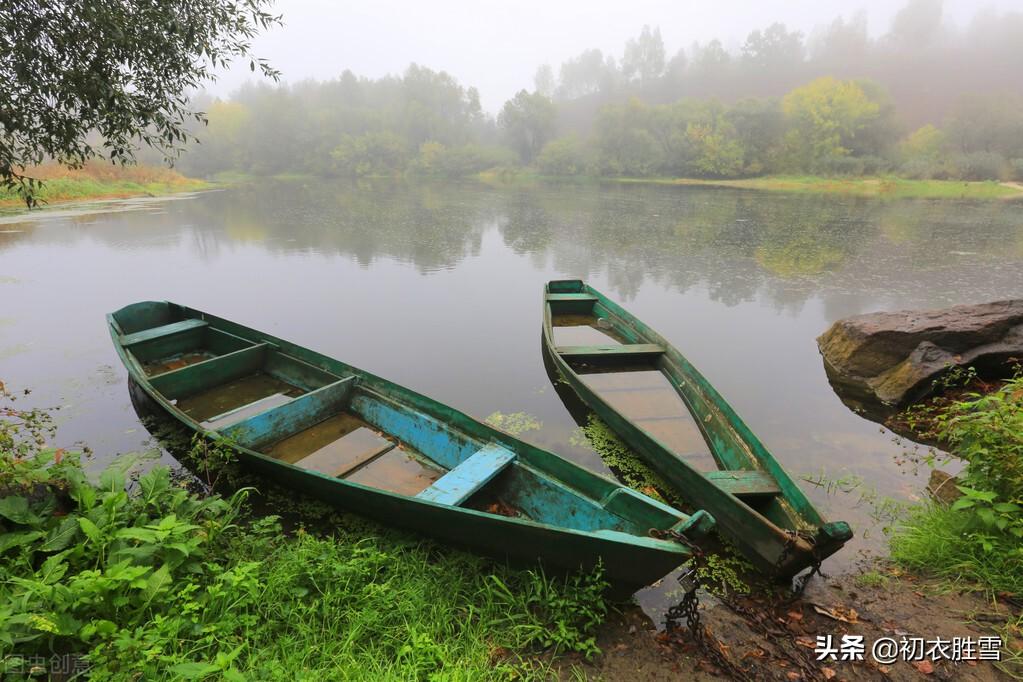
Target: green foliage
{"x": 163, "y": 584}
{"x": 564, "y": 156}
{"x": 376, "y": 153}
{"x": 459, "y": 161}
{"x": 826, "y": 115}
{"x": 979, "y": 537}
{"x": 528, "y": 121}
{"x": 123, "y": 70}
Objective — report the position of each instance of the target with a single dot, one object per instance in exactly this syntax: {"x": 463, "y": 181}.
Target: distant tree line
{"x": 924, "y": 100}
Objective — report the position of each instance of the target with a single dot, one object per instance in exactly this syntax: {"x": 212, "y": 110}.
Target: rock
{"x": 894, "y": 358}
{"x": 942, "y": 487}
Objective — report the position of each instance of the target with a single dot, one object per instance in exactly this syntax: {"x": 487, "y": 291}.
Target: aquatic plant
{"x": 515, "y": 423}
{"x": 620, "y": 458}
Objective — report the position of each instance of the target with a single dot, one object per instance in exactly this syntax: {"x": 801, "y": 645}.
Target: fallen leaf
{"x": 883, "y": 669}
{"x": 838, "y": 613}
{"x": 795, "y": 615}
{"x": 828, "y": 673}
{"x": 924, "y": 666}
{"x": 793, "y": 675}
{"x": 807, "y": 642}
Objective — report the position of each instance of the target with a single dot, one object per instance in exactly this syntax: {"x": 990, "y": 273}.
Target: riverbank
{"x": 887, "y": 187}
{"x": 98, "y": 181}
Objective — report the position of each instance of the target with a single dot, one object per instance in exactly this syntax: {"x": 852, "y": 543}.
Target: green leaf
{"x": 15, "y": 508}
{"x": 232, "y": 675}
{"x": 53, "y": 569}
{"x": 193, "y": 670}
{"x": 134, "y": 533}
{"x": 157, "y": 582}
{"x": 61, "y": 536}
{"x": 90, "y": 529}
{"x": 8, "y": 540}
{"x": 113, "y": 478}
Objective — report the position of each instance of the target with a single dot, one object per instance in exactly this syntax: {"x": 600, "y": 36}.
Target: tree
{"x": 543, "y": 80}
{"x": 582, "y": 75}
{"x": 644, "y": 56}
{"x": 774, "y": 49}
{"x": 119, "y": 68}
{"x": 826, "y": 115}
{"x": 528, "y": 121}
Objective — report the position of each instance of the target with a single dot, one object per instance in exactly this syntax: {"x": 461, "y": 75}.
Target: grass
{"x": 887, "y": 187}
{"x": 167, "y": 584}
{"x": 102, "y": 181}
{"x": 976, "y": 542}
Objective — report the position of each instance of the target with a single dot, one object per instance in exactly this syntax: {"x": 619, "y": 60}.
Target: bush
{"x": 854, "y": 165}
{"x": 979, "y": 166}
{"x": 980, "y": 537}
{"x": 925, "y": 169}
{"x": 1017, "y": 169}
{"x": 454, "y": 162}
{"x": 564, "y": 156}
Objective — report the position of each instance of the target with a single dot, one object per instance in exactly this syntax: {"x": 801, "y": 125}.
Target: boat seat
{"x": 611, "y": 350}
{"x": 165, "y": 330}
{"x": 571, "y": 297}
{"x": 745, "y": 482}
{"x": 459, "y": 484}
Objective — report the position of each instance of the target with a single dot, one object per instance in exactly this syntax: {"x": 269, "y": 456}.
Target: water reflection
{"x": 438, "y": 287}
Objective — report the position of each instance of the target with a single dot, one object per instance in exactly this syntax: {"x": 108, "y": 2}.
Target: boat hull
{"x": 629, "y": 560}
{"x": 782, "y": 535}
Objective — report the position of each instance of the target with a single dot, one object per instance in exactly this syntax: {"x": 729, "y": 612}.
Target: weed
{"x": 163, "y": 583}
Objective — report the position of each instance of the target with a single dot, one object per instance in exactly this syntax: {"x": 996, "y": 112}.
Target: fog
{"x": 923, "y": 89}
{"x": 497, "y": 46}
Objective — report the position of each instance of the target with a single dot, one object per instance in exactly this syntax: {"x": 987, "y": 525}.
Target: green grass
{"x": 72, "y": 189}
{"x": 167, "y": 584}
{"x": 936, "y": 540}
{"x": 881, "y": 187}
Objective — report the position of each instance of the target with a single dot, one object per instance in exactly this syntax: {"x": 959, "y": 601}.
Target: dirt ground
{"x": 757, "y": 639}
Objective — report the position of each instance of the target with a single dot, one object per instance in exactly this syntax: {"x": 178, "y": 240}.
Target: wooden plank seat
{"x": 632, "y": 350}
{"x": 164, "y": 330}
{"x": 745, "y": 482}
{"x": 459, "y": 484}
{"x": 571, "y": 297}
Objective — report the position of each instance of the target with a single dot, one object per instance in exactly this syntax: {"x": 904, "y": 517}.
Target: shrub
{"x": 980, "y": 537}
{"x": 453, "y": 162}
{"x": 1017, "y": 169}
{"x": 979, "y": 166}
{"x": 564, "y": 156}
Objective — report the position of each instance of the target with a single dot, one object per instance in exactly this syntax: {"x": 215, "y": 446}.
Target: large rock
{"x": 894, "y": 358}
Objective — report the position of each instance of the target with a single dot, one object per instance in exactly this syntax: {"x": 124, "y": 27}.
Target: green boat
{"x": 658, "y": 404}
{"x": 363, "y": 443}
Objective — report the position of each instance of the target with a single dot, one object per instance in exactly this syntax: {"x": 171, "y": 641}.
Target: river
{"x": 438, "y": 286}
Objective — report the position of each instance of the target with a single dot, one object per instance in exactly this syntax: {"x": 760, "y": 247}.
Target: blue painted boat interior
{"x": 250, "y": 392}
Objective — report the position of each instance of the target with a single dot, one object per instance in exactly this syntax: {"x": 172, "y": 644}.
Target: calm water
{"x": 438, "y": 287}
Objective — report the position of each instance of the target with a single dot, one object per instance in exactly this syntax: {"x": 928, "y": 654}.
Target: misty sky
{"x": 497, "y": 45}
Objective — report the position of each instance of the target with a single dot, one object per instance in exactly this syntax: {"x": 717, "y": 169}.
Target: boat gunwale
{"x": 137, "y": 374}
{"x": 792, "y": 545}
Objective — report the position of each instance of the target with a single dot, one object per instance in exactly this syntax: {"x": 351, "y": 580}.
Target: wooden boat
{"x": 657, "y": 402}
{"x": 386, "y": 452}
